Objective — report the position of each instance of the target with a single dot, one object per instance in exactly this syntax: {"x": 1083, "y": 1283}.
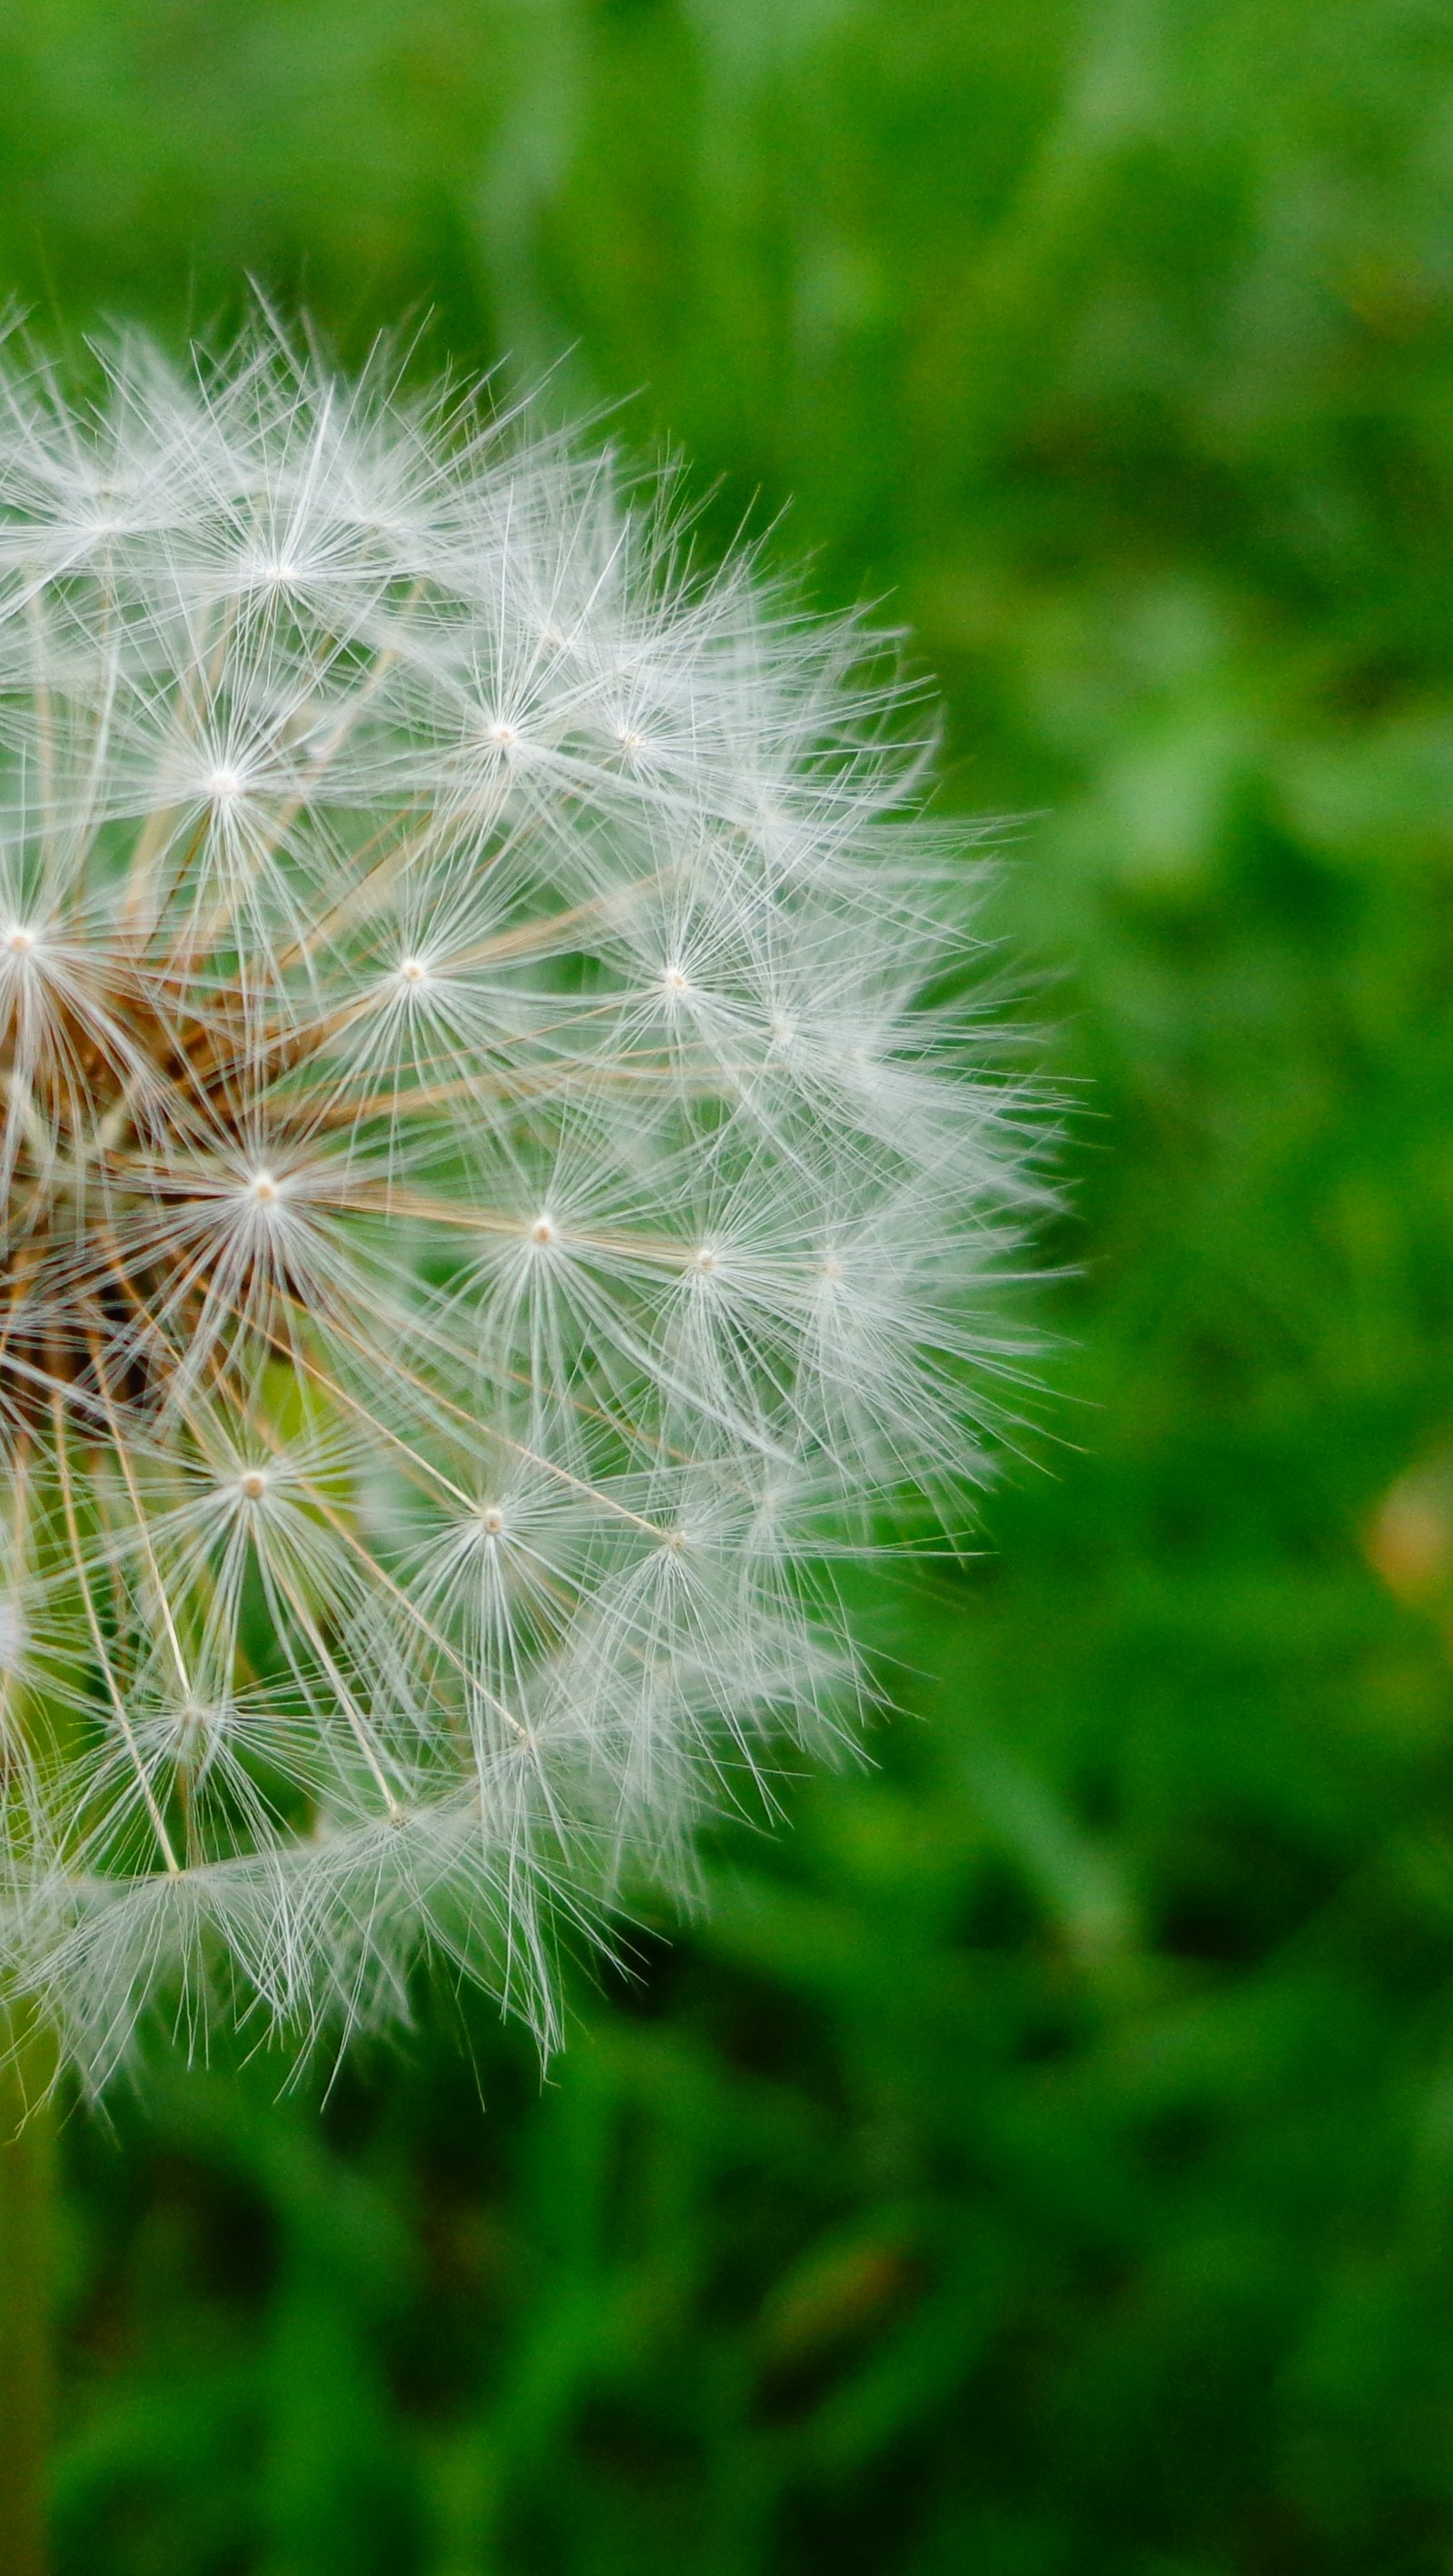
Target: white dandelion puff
{"x": 492, "y": 1192}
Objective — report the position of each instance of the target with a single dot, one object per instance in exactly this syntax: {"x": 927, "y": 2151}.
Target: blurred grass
{"x": 1040, "y": 2163}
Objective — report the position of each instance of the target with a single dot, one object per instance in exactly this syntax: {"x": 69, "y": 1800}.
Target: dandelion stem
{"x": 27, "y": 2170}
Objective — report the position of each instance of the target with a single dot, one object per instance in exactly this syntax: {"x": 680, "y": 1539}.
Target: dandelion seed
{"x": 12, "y": 1637}
{"x": 359, "y": 1156}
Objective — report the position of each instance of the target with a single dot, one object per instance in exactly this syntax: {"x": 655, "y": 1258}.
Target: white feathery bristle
{"x": 490, "y": 1199}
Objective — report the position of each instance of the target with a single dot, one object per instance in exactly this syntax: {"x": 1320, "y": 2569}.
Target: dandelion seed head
{"x": 360, "y": 765}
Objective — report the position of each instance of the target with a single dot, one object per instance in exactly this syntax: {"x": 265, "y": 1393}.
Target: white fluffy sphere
{"x": 487, "y": 1207}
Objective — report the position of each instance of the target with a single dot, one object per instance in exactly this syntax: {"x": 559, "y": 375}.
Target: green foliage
{"x": 1040, "y": 2161}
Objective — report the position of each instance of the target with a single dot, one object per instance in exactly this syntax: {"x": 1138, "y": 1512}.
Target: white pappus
{"x": 493, "y": 1193}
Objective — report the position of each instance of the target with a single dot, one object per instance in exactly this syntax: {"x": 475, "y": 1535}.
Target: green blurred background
{"x": 1040, "y": 2162}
